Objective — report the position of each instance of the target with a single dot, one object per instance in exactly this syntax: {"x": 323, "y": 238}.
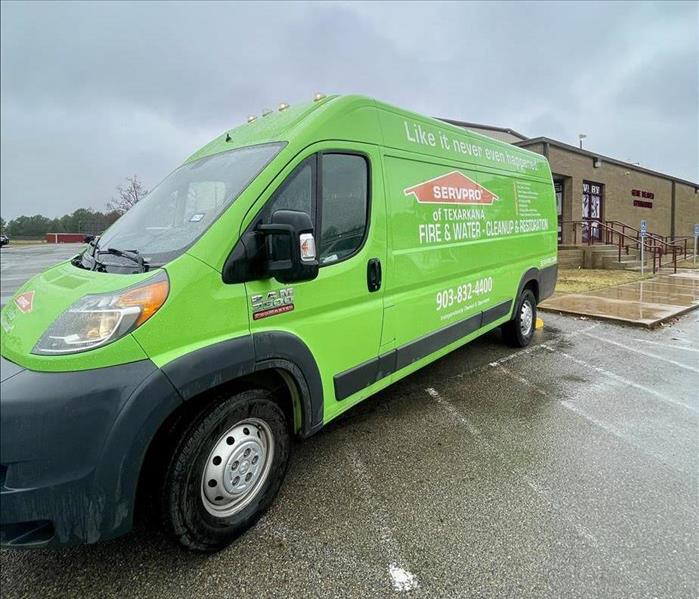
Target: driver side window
{"x": 297, "y": 192}
{"x": 344, "y": 206}
{"x": 340, "y": 214}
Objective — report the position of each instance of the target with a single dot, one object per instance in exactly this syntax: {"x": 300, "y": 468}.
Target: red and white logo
{"x": 452, "y": 188}
{"x": 25, "y": 301}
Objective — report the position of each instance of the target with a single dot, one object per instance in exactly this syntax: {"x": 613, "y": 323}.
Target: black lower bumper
{"x": 71, "y": 449}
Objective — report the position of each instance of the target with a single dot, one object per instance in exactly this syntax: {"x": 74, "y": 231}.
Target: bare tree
{"x": 129, "y": 195}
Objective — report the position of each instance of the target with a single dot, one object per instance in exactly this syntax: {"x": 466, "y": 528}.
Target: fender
{"x": 137, "y": 424}
{"x": 545, "y": 280}
{"x": 531, "y": 275}
{"x": 79, "y": 484}
{"x": 273, "y": 345}
{"x": 219, "y": 363}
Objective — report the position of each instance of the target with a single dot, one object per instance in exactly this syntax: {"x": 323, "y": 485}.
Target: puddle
{"x": 643, "y": 302}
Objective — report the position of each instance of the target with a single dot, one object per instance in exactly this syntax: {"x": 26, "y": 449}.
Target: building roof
{"x": 559, "y": 144}
{"x": 480, "y": 126}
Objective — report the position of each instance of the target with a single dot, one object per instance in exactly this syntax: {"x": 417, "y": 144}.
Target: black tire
{"x": 514, "y": 332}
{"x": 183, "y": 503}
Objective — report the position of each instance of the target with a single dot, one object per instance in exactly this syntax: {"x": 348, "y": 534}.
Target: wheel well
{"x": 533, "y": 285}
{"x": 275, "y": 380}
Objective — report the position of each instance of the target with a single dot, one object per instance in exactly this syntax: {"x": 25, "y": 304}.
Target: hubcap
{"x": 526, "y": 318}
{"x": 237, "y": 467}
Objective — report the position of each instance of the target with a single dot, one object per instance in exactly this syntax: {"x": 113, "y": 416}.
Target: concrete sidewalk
{"x": 643, "y": 303}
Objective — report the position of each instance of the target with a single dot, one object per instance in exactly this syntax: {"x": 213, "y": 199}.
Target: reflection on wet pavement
{"x": 645, "y": 303}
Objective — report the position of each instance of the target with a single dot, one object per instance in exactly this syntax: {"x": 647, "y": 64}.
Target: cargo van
{"x": 291, "y": 268}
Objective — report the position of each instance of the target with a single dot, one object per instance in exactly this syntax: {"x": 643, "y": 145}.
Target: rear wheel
{"x": 225, "y": 470}
{"x": 519, "y": 331}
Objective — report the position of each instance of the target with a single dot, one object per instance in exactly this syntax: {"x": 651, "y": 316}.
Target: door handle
{"x": 373, "y": 274}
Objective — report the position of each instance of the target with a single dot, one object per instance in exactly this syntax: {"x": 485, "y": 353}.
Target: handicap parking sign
{"x": 644, "y": 228}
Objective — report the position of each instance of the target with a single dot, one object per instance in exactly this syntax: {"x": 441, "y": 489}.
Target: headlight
{"x": 95, "y": 320}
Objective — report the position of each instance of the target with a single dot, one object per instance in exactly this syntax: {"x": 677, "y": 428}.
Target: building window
{"x": 558, "y": 186}
{"x": 592, "y": 210}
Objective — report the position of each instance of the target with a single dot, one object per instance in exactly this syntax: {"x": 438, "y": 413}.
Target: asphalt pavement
{"x": 21, "y": 262}
{"x": 568, "y": 469}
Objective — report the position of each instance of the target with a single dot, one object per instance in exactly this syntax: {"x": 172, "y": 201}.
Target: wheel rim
{"x": 237, "y": 467}
{"x": 526, "y": 318}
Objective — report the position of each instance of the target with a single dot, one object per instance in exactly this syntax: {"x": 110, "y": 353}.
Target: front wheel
{"x": 225, "y": 470}
{"x": 519, "y": 331}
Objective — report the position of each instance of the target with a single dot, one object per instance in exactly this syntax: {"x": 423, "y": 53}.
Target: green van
{"x": 289, "y": 269}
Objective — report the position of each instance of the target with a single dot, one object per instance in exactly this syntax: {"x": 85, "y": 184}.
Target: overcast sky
{"x": 94, "y": 92}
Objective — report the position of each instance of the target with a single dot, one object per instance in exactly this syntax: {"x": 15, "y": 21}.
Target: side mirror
{"x": 291, "y": 247}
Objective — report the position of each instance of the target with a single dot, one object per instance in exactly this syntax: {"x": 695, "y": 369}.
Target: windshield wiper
{"x": 133, "y": 255}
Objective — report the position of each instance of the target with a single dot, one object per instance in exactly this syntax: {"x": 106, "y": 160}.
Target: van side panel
{"x": 449, "y": 261}
{"x": 461, "y": 237}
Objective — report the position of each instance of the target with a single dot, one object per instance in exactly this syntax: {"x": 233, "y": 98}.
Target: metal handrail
{"x": 665, "y": 246}
{"x": 649, "y": 245}
{"x": 679, "y": 243}
{"x": 680, "y": 240}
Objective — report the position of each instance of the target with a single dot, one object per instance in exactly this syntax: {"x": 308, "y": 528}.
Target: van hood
{"x": 42, "y": 299}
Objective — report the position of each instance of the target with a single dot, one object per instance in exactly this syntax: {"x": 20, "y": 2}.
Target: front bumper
{"x": 71, "y": 449}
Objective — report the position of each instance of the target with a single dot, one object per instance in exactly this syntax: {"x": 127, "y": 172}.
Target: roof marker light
{"x": 252, "y": 118}
{"x": 267, "y": 112}
{"x": 283, "y": 106}
{"x": 318, "y": 97}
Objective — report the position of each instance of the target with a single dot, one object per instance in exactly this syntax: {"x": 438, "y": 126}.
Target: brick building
{"x": 592, "y": 186}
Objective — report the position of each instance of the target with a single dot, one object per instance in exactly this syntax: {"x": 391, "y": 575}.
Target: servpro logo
{"x": 452, "y": 188}
{"x": 25, "y": 301}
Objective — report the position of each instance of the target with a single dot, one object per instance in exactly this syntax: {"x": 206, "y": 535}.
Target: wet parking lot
{"x": 568, "y": 469}
{"x": 19, "y": 263}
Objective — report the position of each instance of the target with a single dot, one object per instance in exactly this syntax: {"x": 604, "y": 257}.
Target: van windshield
{"x": 178, "y": 211}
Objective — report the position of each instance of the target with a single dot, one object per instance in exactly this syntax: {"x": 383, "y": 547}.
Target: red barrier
{"x": 65, "y": 237}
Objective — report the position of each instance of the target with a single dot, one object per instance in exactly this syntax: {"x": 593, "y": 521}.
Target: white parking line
{"x": 609, "y": 428}
{"x": 517, "y": 354}
{"x": 517, "y": 377}
{"x": 528, "y": 480}
{"x": 548, "y": 496}
{"x": 449, "y": 407}
{"x": 523, "y": 352}
{"x": 644, "y": 353}
{"x": 612, "y": 430}
{"x": 401, "y": 579}
{"x": 668, "y": 345}
{"x": 621, "y": 379}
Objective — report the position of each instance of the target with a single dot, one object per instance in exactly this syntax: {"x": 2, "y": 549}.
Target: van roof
{"x": 364, "y": 119}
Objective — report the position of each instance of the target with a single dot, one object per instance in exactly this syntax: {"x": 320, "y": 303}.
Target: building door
{"x": 592, "y": 211}
{"x": 558, "y": 186}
